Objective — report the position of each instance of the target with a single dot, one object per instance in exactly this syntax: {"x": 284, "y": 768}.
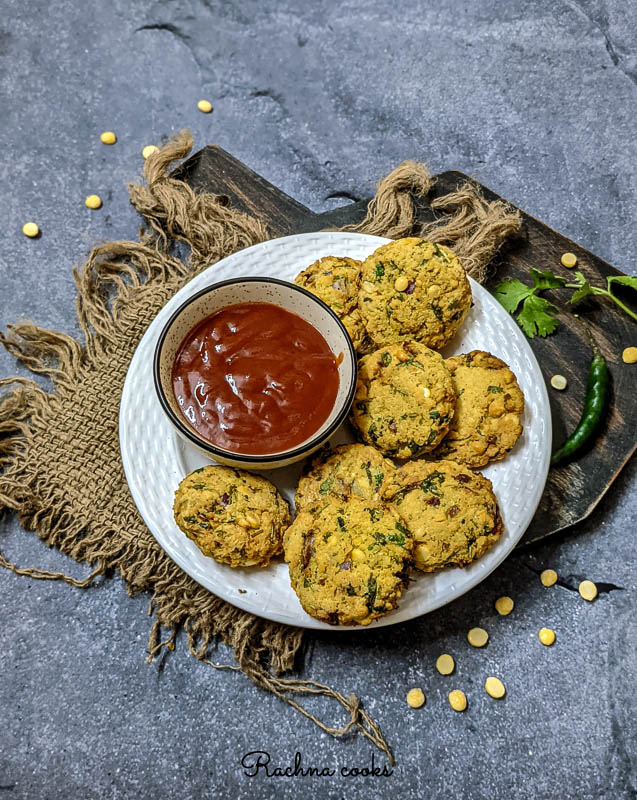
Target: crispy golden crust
{"x": 336, "y": 281}
{"x": 351, "y": 470}
{"x": 413, "y": 289}
{"x": 348, "y": 560}
{"x": 487, "y": 422}
{"x": 354, "y": 326}
{"x": 451, "y": 511}
{"x": 404, "y": 399}
{"x": 232, "y": 516}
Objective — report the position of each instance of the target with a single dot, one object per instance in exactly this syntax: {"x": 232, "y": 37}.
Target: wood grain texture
{"x": 572, "y": 491}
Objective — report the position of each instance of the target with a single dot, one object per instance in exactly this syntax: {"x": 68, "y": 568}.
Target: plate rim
{"x": 312, "y": 623}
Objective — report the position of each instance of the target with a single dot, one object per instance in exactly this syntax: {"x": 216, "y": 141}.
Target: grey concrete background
{"x": 537, "y": 100}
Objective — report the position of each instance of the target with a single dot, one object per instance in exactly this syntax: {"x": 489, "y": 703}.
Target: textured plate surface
{"x": 155, "y": 459}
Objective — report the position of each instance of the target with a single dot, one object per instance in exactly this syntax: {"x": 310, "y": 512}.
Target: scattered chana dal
{"x": 108, "y": 137}
{"x": 445, "y": 664}
{"x": 569, "y": 260}
{"x": 458, "y": 700}
{"x": 149, "y": 150}
{"x": 494, "y": 687}
{"x": 588, "y": 590}
{"x": 415, "y": 698}
{"x": 204, "y": 106}
{"x": 504, "y": 605}
{"x": 629, "y": 356}
{"x": 30, "y": 229}
{"x": 477, "y": 637}
{"x": 559, "y": 382}
{"x": 548, "y": 577}
{"x": 93, "y": 201}
{"x": 546, "y": 636}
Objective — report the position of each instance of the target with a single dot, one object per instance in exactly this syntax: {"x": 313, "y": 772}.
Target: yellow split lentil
{"x": 108, "y": 137}
{"x": 93, "y": 201}
{"x": 149, "y": 150}
{"x": 205, "y": 106}
{"x": 569, "y": 260}
{"x": 477, "y": 637}
{"x": 401, "y": 283}
{"x": 559, "y": 382}
{"x": 588, "y": 590}
{"x": 415, "y": 698}
{"x": 630, "y": 355}
{"x": 494, "y": 687}
{"x": 458, "y": 700}
{"x": 504, "y": 605}
{"x": 548, "y": 577}
{"x": 445, "y": 664}
{"x": 30, "y": 229}
{"x": 546, "y": 636}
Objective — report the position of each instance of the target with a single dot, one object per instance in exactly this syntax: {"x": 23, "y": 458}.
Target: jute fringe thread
{"x": 474, "y": 228}
{"x": 60, "y": 467}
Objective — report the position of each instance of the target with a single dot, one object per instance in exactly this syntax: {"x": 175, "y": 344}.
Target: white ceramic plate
{"x": 155, "y": 459}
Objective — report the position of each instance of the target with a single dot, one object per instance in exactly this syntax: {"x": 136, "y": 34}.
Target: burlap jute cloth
{"x": 60, "y": 466}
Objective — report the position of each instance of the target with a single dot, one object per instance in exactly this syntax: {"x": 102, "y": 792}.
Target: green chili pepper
{"x": 595, "y": 402}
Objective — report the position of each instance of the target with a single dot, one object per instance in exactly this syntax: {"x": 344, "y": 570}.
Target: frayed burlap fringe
{"x": 474, "y": 228}
{"x": 174, "y": 212}
{"x": 60, "y": 467}
{"x": 391, "y": 211}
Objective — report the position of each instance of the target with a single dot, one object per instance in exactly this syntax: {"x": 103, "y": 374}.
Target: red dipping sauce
{"x": 255, "y": 378}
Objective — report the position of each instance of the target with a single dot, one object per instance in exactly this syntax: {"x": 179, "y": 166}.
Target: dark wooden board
{"x": 572, "y": 491}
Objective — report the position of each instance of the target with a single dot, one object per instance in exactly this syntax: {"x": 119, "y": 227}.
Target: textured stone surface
{"x": 538, "y": 101}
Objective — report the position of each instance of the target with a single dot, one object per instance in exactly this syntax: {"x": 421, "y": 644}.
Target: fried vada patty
{"x": 413, "y": 289}
{"x": 405, "y": 399}
{"x": 348, "y": 560}
{"x": 487, "y": 422}
{"x": 233, "y": 516}
{"x": 336, "y": 282}
{"x": 450, "y": 510}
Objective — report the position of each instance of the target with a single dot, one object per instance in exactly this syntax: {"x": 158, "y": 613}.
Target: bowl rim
{"x": 246, "y": 458}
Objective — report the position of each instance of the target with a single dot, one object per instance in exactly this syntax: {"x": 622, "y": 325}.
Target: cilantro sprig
{"x": 537, "y": 315}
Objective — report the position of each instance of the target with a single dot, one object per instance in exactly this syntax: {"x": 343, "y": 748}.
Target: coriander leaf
{"x": 536, "y": 317}
{"x": 579, "y": 294}
{"x": 624, "y": 280}
{"x": 371, "y": 592}
{"x": 511, "y": 293}
{"x": 580, "y": 279}
{"x": 584, "y": 289}
{"x": 546, "y": 279}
